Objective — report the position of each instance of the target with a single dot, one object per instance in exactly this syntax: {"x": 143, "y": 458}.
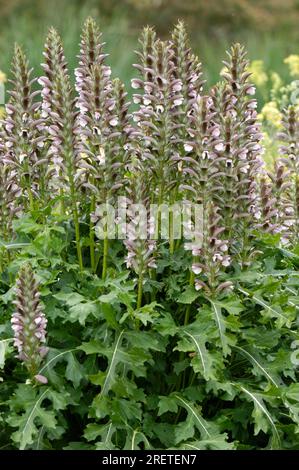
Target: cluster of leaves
{"x": 148, "y": 347}
{"x": 126, "y": 378}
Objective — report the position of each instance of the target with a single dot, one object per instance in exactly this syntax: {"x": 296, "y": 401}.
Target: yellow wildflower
{"x": 271, "y": 114}
{"x": 270, "y": 150}
{"x": 258, "y": 74}
{"x": 276, "y": 82}
{"x": 293, "y": 62}
{"x": 2, "y": 77}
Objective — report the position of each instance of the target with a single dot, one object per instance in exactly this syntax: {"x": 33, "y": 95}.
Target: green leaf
{"x": 9, "y": 295}
{"x": 164, "y": 432}
{"x": 217, "y": 442}
{"x": 73, "y": 371}
{"x": 109, "y": 298}
{"x": 202, "y": 361}
{"x": 284, "y": 316}
{"x": 258, "y": 363}
{"x": 188, "y": 296}
{"x": 166, "y": 325}
{"x": 167, "y": 404}
{"x": 134, "y": 440}
{"x": 147, "y": 314}
{"x": 13, "y": 246}
{"x": 221, "y": 325}
{"x": 78, "y": 446}
{"x": 146, "y": 340}
{"x": 79, "y": 307}
{"x": 108, "y": 377}
{"x": 32, "y": 418}
{"x": 80, "y": 312}
{"x": 92, "y": 347}
{"x": 105, "y": 431}
{"x": 26, "y": 224}
{"x": 123, "y": 357}
{"x": 261, "y": 415}
{"x": 291, "y": 401}
{"x": 127, "y": 410}
{"x": 232, "y": 305}
{"x": 194, "y": 420}
{"x": 70, "y": 298}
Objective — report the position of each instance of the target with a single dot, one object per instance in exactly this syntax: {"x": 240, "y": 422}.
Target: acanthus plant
{"x": 158, "y": 108}
{"x": 9, "y": 208}
{"x": 139, "y": 242}
{"x": 201, "y": 174}
{"x": 276, "y": 204}
{"x": 241, "y": 151}
{"x": 21, "y": 139}
{"x": 187, "y": 69}
{"x": 290, "y": 161}
{"x": 268, "y": 205}
{"x": 103, "y": 128}
{"x": 181, "y": 344}
{"x": 61, "y": 129}
{"x": 29, "y": 324}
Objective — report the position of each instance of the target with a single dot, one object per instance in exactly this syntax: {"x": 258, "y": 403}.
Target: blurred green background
{"x": 268, "y": 28}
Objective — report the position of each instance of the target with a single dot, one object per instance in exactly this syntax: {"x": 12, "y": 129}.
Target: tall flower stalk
{"x": 158, "y": 103}
{"x": 268, "y": 205}
{"x": 202, "y": 172}
{"x": 139, "y": 240}
{"x": 21, "y": 139}
{"x": 54, "y": 62}
{"x": 103, "y": 122}
{"x": 29, "y": 323}
{"x": 241, "y": 151}
{"x": 9, "y": 196}
{"x": 61, "y": 126}
{"x": 187, "y": 69}
{"x": 290, "y": 160}
{"x": 93, "y": 85}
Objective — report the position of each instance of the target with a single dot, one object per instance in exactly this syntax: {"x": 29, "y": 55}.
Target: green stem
{"x": 140, "y": 291}
{"x": 171, "y": 240}
{"x": 76, "y": 222}
{"x": 10, "y": 276}
{"x": 77, "y": 233}
{"x": 160, "y": 201}
{"x": 188, "y": 309}
{"x": 61, "y": 202}
{"x": 91, "y": 237}
{"x": 153, "y": 277}
{"x": 31, "y": 200}
{"x": 183, "y": 378}
{"x": 177, "y": 244}
{"x": 105, "y": 257}
{"x": 1, "y": 260}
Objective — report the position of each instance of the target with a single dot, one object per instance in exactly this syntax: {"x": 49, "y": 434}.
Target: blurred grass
{"x": 29, "y": 30}
{"x": 27, "y": 23}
